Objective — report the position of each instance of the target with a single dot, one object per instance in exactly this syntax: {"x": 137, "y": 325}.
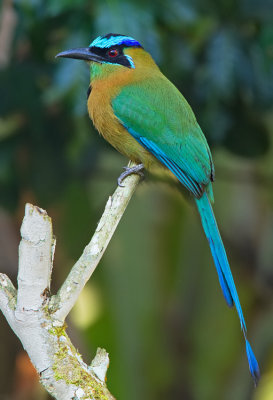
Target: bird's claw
{"x": 137, "y": 169}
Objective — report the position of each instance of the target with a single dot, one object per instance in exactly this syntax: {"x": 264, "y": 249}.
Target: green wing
{"x": 157, "y": 115}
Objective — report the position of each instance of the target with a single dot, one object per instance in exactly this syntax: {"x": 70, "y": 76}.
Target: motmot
{"x": 146, "y": 118}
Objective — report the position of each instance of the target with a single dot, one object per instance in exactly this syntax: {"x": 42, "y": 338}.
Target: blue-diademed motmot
{"x": 144, "y": 116}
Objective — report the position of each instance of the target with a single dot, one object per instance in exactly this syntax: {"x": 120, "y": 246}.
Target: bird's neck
{"x": 109, "y": 83}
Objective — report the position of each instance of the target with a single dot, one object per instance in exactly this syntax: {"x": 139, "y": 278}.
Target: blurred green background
{"x": 154, "y": 302}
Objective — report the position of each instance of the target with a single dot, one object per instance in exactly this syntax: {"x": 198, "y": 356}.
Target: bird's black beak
{"x": 83, "y": 53}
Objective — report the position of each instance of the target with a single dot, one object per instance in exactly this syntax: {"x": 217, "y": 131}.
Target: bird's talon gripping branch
{"x": 137, "y": 169}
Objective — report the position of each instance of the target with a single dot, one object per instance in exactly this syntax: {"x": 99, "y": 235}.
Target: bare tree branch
{"x": 62, "y": 303}
{"x": 38, "y": 320}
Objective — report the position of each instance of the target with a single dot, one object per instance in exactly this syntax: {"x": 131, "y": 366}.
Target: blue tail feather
{"x": 218, "y": 251}
{"x": 222, "y": 279}
{"x": 253, "y": 364}
{"x": 223, "y": 283}
{"x": 224, "y": 273}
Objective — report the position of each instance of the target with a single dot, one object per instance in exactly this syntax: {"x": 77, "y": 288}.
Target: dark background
{"x": 154, "y": 302}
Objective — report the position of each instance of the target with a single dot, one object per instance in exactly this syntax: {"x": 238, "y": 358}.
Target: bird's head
{"x": 109, "y": 53}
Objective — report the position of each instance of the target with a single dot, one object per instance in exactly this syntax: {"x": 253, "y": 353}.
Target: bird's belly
{"x": 108, "y": 125}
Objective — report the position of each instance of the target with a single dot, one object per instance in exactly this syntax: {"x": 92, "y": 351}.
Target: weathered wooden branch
{"x": 38, "y": 318}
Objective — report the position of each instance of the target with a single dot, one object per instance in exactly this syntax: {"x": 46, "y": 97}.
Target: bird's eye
{"x": 112, "y": 53}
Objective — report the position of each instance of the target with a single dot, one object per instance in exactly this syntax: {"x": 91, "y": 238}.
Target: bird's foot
{"x": 137, "y": 169}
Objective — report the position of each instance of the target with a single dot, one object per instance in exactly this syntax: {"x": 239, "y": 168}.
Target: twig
{"x": 62, "y": 303}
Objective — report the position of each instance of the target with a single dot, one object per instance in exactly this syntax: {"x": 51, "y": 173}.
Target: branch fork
{"x": 38, "y": 319}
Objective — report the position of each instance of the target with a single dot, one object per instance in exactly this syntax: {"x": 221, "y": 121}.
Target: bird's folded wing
{"x": 159, "y": 118}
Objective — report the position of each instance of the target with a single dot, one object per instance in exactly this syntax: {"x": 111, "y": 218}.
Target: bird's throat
{"x": 103, "y": 71}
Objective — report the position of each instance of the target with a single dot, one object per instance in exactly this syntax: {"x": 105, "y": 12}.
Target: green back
{"x": 159, "y": 117}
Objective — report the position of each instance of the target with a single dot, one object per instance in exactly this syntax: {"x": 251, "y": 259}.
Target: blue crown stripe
{"x": 103, "y": 42}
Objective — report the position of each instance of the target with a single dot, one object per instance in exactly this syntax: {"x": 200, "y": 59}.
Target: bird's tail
{"x": 224, "y": 273}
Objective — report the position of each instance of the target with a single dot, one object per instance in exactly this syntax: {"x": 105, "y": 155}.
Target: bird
{"x": 145, "y": 117}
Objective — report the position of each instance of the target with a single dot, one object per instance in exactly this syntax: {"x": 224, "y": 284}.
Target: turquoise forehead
{"x": 105, "y": 43}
